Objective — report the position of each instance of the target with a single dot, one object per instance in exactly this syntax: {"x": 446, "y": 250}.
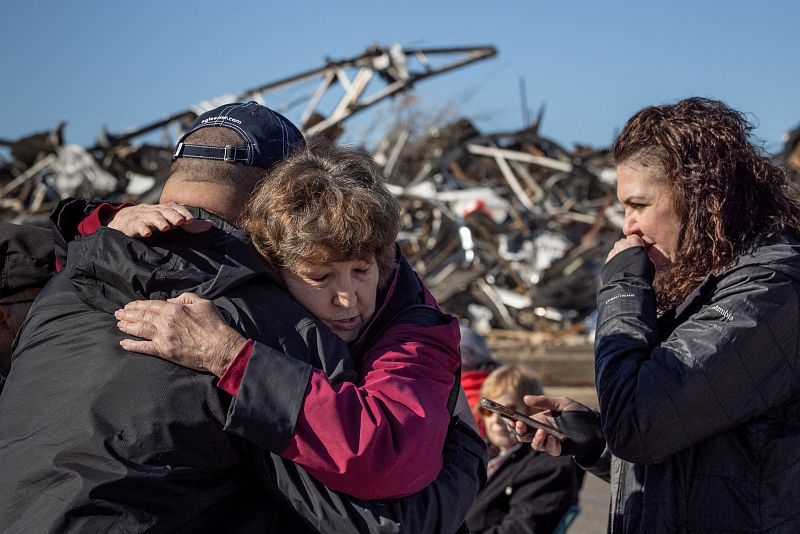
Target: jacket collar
{"x": 108, "y": 269}
{"x": 780, "y": 253}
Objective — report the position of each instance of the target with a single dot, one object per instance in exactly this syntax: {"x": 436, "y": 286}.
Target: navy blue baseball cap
{"x": 269, "y": 137}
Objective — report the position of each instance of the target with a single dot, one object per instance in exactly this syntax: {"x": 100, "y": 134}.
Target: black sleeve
{"x": 65, "y": 219}
{"x": 728, "y": 362}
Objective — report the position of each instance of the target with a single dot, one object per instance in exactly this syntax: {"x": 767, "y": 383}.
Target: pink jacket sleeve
{"x": 383, "y": 437}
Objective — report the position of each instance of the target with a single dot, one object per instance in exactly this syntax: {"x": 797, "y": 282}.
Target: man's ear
{"x": 5, "y": 313}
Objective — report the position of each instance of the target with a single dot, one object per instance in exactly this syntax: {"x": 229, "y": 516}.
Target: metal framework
{"x": 396, "y": 68}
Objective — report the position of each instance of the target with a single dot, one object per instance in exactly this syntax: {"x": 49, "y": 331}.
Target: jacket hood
{"x": 780, "y": 253}
{"x": 109, "y": 269}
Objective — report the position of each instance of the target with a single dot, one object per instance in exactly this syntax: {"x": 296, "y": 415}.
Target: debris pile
{"x": 132, "y": 165}
{"x": 509, "y": 230}
{"x": 790, "y": 157}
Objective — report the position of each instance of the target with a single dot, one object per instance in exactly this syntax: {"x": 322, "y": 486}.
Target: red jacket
{"x": 472, "y": 381}
{"x": 382, "y": 436}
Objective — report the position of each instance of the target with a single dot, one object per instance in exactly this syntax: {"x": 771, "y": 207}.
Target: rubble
{"x": 138, "y": 160}
{"x": 790, "y": 157}
{"x": 509, "y": 230}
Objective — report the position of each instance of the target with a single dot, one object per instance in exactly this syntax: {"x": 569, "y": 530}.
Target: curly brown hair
{"x": 725, "y": 189}
{"x": 324, "y": 204}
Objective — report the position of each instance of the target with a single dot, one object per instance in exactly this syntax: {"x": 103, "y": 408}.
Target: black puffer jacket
{"x": 528, "y": 494}
{"x": 93, "y": 438}
{"x": 701, "y": 408}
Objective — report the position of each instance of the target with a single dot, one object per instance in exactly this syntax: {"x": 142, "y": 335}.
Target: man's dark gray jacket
{"x": 94, "y": 438}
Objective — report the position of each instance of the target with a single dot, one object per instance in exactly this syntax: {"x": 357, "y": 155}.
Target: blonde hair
{"x": 514, "y": 379}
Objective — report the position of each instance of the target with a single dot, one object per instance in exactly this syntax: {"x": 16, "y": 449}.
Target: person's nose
{"x": 630, "y": 226}
{"x": 345, "y": 294}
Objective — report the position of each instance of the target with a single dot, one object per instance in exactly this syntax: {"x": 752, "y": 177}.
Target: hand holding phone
{"x": 513, "y": 415}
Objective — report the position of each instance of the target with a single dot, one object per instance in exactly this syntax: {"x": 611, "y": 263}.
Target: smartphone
{"x": 508, "y": 413}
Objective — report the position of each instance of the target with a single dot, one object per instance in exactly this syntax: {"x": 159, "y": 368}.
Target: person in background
{"x": 26, "y": 264}
{"x": 697, "y": 351}
{"x": 476, "y": 364}
{"x": 526, "y": 491}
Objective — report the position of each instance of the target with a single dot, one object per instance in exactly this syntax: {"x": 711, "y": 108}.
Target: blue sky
{"x": 592, "y": 64}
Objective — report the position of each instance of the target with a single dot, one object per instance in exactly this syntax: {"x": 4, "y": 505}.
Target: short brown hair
{"x": 324, "y": 204}
{"x": 726, "y": 191}
{"x": 514, "y": 379}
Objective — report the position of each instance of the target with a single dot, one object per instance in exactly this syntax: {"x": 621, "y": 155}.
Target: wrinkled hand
{"x": 624, "y": 243}
{"x": 141, "y": 220}
{"x": 187, "y": 330}
{"x": 541, "y": 440}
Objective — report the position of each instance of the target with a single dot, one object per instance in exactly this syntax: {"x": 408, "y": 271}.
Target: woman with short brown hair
{"x": 326, "y": 221}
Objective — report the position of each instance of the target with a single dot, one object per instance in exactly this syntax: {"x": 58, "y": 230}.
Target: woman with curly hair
{"x": 697, "y": 352}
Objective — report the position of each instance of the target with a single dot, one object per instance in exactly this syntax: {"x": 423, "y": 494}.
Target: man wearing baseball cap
{"x": 98, "y": 439}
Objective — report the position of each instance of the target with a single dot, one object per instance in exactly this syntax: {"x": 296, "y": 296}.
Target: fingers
{"x": 138, "y": 229}
{"x": 522, "y": 431}
{"x": 544, "y": 442}
{"x": 143, "y": 347}
{"x": 187, "y": 298}
{"x": 543, "y": 402}
{"x": 163, "y": 216}
{"x": 634, "y": 241}
{"x": 175, "y": 212}
{"x": 203, "y": 310}
{"x": 166, "y": 216}
{"x": 138, "y": 328}
{"x": 138, "y": 310}
{"x": 555, "y": 404}
{"x": 187, "y": 330}
{"x": 623, "y": 244}
{"x": 141, "y": 220}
